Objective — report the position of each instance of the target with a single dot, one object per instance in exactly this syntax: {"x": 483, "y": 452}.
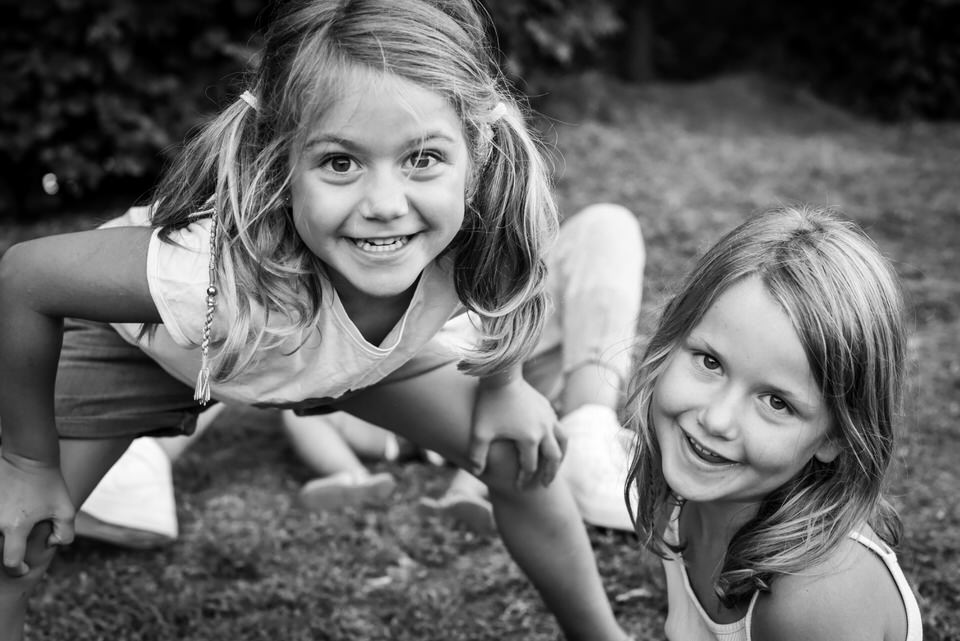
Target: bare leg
{"x": 83, "y": 463}
{"x": 175, "y": 446}
{"x": 540, "y": 526}
{"x": 596, "y": 281}
{"x": 319, "y": 443}
{"x": 368, "y": 441}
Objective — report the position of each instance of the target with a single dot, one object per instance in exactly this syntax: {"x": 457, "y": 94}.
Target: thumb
{"x": 62, "y": 532}
{"x": 479, "y": 449}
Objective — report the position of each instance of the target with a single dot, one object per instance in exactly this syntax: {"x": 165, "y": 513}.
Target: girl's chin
{"x": 694, "y": 482}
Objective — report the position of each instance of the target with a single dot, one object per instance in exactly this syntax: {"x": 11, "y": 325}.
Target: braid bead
{"x": 201, "y": 392}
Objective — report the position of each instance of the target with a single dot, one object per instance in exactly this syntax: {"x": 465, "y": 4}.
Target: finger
{"x": 551, "y": 456}
{"x": 529, "y": 455}
{"x": 62, "y": 533}
{"x": 562, "y": 439}
{"x": 479, "y": 449}
{"x": 18, "y": 571}
{"x": 14, "y": 549}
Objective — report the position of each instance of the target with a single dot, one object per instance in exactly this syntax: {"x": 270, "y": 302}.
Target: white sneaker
{"x": 596, "y": 465}
{"x": 346, "y": 489}
{"x": 133, "y": 505}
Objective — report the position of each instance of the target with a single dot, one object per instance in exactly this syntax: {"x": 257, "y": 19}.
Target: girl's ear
{"x": 828, "y": 450}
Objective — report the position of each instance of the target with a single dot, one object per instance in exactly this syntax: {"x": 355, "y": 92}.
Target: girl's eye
{"x": 778, "y": 404}
{"x": 423, "y": 159}
{"x": 709, "y": 362}
{"x": 339, "y": 164}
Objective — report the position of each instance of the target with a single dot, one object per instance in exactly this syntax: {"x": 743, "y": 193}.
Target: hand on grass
{"x": 32, "y": 493}
{"x": 515, "y": 411}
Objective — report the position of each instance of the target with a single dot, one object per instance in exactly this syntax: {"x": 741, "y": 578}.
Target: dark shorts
{"x": 108, "y": 388}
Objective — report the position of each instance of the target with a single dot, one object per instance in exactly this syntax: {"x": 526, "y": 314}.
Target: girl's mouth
{"x": 381, "y": 245}
{"x": 705, "y": 454}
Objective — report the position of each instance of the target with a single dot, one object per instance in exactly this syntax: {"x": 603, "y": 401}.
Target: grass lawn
{"x": 691, "y": 161}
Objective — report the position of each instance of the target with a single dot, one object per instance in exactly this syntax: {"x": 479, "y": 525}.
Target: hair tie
{"x": 250, "y": 99}
{"x": 498, "y": 112}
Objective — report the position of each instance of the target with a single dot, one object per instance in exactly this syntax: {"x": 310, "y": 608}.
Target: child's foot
{"x": 433, "y": 458}
{"x": 346, "y": 489}
{"x": 596, "y": 465}
{"x": 473, "y": 512}
{"x": 133, "y": 506}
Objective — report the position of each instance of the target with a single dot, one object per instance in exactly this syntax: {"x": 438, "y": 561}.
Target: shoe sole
{"x": 325, "y": 498}
{"x": 89, "y": 527}
{"x": 476, "y": 517}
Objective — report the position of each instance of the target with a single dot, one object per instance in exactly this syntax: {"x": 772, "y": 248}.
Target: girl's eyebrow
{"x": 698, "y": 341}
{"x": 325, "y": 139}
{"x": 418, "y": 140}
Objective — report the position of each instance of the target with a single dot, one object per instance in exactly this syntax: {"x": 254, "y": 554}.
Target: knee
{"x": 609, "y": 218}
{"x": 610, "y": 225}
{"x": 503, "y": 465}
{"x": 38, "y": 557}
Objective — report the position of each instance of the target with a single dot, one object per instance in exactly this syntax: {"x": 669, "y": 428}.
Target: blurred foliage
{"x": 98, "y": 92}
{"x": 550, "y": 35}
{"x": 893, "y": 59}
{"x": 888, "y": 59}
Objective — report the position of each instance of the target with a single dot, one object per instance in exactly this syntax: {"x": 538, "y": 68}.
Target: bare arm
{"x": 98, "y": 275}
{"x": 851, "y": 597}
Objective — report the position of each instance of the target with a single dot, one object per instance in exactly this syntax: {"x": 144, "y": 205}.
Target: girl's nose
{"x": 386, "y": 197}
{"x": 719, "y": 415}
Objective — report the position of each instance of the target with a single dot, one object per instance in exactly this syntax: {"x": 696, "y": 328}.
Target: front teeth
{"x": 381, "y": 244}
{"x": 705, "y": 453}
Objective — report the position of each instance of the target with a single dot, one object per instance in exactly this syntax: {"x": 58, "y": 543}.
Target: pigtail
{"x": 205, "y": 169}
{"x": 500, "y": 269}
{"x": 234, "y": 172}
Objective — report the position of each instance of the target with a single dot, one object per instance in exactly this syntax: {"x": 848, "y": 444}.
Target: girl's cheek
{"x": 670, "y": 391}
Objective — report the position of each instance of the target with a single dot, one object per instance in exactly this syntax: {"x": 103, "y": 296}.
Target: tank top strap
{"x": 910, "y": 605}
{"x": 881, "y": 550}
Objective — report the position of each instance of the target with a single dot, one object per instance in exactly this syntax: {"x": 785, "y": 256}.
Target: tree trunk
{"x": 637, "y": 62}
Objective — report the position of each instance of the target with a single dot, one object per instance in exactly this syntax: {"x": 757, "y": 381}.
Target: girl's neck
{"x": 714, "y": 522}
{"x": 374, "y": 320}
{"x": 706, "y": 530}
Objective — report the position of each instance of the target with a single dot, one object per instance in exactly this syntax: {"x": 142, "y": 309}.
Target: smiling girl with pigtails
{"x": 376, "y": 180}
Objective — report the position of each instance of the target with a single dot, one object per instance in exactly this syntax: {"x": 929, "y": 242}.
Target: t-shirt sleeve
{"x": 177, "y": 274}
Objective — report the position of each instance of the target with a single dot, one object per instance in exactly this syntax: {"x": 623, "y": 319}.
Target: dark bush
{"x": 890, "y": 59}
{"x": 99, "y": 90}
{"x": 552, "y": 35}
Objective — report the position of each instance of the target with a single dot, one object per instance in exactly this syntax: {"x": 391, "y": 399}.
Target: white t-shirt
{"x": 333, "y": 358}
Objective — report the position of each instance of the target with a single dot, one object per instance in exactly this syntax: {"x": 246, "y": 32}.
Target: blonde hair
{"x": 238, "y": 166}
{"x": 845, "y": 302}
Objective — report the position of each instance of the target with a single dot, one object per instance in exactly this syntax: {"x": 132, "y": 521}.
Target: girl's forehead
{"x": 747, "y": 324}
{"x": 361, "y": 84}
{"x": 365, "y": 97}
